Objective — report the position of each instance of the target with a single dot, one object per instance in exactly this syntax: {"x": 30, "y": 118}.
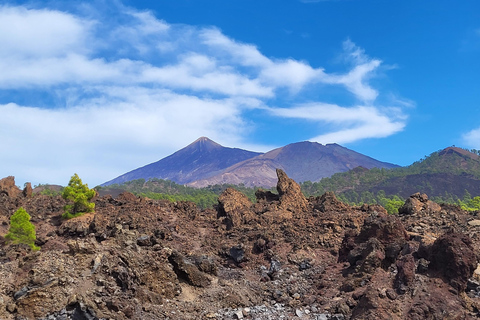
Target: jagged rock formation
{"x": 8, "y": 187}
{"x": 418, "y": 203}
{"x": 283, "y": 256}
{"x": 291, "y": 196}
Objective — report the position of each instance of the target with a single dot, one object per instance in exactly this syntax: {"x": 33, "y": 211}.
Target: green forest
{"x": 165, "y": 189}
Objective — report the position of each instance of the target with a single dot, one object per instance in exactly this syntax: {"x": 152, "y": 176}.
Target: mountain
{"x": 445, "y": 173}
{"x": 201, "y": 159}
{"x": 302, "y": 161}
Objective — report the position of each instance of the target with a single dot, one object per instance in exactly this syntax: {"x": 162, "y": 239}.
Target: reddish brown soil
{"x": 284, "y": 256}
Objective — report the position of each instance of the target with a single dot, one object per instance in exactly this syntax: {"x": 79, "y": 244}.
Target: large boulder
{"x": 378, "y": 244}
{"x": 418, "y": 203}
{"x": 290, "y": 194}
{"x": 329, "y": 202}
{"x": 235, "y": 207}
{"x": 7, "y": 186}
{"x": 453, "y": 255}
{"x": 188, "y": 271}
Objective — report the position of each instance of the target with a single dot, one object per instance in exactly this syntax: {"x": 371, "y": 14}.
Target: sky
{"x": 100, "y": 88}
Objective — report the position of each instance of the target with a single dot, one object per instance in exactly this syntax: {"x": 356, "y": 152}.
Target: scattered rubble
{"x": 283, "y": 257}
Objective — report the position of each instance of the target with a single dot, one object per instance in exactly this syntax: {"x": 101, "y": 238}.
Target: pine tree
{"x": 80, "y": 195}
{"x": 21, "y": 229}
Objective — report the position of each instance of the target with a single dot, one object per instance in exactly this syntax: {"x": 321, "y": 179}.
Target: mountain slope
{"x": 450, "y": 171}
{"x": 302, "y": 161}
{"x": 199, "y": 160}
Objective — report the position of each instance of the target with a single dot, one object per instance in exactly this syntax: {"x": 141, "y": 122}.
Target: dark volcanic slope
{"x": 449, "y": 172}
{"x": 302, "y": 161}
{"x": 201, "y": 159}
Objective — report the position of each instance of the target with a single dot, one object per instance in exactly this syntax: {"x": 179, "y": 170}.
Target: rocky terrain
{"x": 283, "y": 257}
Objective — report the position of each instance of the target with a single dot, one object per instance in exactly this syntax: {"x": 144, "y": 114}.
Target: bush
{"x": 80, "y": 195}
{"x": 21, "y": 229}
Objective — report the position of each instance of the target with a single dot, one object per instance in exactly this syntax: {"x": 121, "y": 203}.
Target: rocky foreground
{"x": 283, "y": 257}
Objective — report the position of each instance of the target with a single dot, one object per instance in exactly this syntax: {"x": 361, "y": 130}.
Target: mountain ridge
{"x": 205, "y": 162}
{"x": 201, "y": 158}
{"x": 301, "y": 160}
{"x": 448, "y": 172}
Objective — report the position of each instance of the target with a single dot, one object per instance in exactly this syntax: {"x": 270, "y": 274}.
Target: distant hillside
{"x": 448, "y": 174}
{"x": 302, "y": 161}
{"x": 205, "y": 163}
{"x": 201, "y": 159}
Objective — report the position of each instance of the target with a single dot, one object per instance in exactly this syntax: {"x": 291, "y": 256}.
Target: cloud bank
{"x": 99, "y": 96}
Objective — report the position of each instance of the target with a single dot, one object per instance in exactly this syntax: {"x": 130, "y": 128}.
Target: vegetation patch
{"x": 22, "y": 230}
{"x": 80, "y": 195}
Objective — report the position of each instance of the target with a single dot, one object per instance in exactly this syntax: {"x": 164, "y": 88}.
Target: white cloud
{"x": 131, "y": 88}
{"x": 290, "y": 73}
{"x": 99, "y": 135}
{"x": 472, "y": 138}
{"x": 353, "y": 123}
{"x": 244, "y": 54}
{"x": 41, "y": 33}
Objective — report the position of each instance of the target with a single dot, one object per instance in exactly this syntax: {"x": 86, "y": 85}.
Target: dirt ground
{"x": 283, "y": 257}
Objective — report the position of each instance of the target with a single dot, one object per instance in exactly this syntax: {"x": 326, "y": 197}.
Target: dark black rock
{"x": 237, "y": 253}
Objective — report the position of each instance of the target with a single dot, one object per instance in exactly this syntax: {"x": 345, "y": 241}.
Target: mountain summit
{"x": 302, "y": 161}
{"x": 205, "y": 162}
{"x": 201, "y": 159}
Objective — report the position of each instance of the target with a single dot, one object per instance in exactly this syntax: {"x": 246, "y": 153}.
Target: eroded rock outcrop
{"x": 419, "y": 203}
{"x": 290, "y": 195}
{"x": 328, "y": 202}
{"x": 7, "y": 186}
{"x": 235, "y": 207}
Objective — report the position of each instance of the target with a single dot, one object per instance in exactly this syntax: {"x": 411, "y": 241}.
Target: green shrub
{"x": 80, "y": 195}
{"x": 21, "y": 229}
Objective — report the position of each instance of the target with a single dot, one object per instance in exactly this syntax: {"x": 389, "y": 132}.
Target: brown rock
{"x": 7, "y": 186}
{"x": 265, "y": 195}
{"x": 291, "y": 196}
{"x": 27, "y": 191}
{"x": 329, "y": 202}
{"x": 187, "y": 270}
{"x": 417, "y": 203}
{"x": 411, "y": 206}
{"x": 377, "y": 245}
{"x": 236, "y": 207}
{"x": 452, "y": 254}
{"x": 406, "y": 272}
{"x": 126, "y": 197}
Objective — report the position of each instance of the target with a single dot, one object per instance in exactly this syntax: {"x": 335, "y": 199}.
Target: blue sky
{"x": 100, "y": 88}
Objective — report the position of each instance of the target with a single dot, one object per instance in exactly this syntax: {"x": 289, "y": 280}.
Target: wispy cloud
{"x": 353, "y": 123}
{"x": 472, "y": 138}
{"x": 124, "y": 88}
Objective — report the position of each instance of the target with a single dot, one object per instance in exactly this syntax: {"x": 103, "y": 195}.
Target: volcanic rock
{"x": 417, "y": 203}
{"x": 328, "y": 202}
{"x": 27, "y": 191}
{"x": 137, "y": 258}
{"x": 187, "y": 270}
{"x": 7, "y": 186}
{"x": 452, "y": 254}
{"x": 291, "y": 196}
{"x": 235, "y": 206}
